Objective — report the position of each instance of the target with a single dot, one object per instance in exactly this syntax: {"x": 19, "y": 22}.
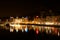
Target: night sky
{"x": 26, "y": 8}
{"x": 23, "y": 8}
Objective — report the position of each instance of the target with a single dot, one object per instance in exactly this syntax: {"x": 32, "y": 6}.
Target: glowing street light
{"x": 22, "y": 30}
{"x": 50, "y": 31}
{"x": 37, "y": 31}
{"x": 22, "y": 17}
{"x": 26, "y": 29}
{"x": 17, "y": 17}
{"x": 37, "y": 16}
{"x": 58, "y": 34}
{"x": 47, "y": 31}
{"x": 49, "y": 23}
{"x": 16, "y": 30}
{"x": 11, "y": 17}
{"x": 11, "y": 30}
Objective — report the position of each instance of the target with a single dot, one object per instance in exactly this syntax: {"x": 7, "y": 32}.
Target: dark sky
{"x": 21, "y": 8}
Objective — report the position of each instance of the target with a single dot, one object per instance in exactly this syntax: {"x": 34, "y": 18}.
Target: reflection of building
{"x": 15, "y": 24}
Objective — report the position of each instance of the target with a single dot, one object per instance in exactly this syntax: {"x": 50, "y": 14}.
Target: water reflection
{"x": 37, "y": 29}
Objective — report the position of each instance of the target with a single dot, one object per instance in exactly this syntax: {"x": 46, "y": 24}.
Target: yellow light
{"x": 38, "y": 22}
{"x": 49, "y": 31}
{"x": 12, "y": 25}
{"x": 45, "y": 27}
{"x": 22, "y": 30}
{"x": 17, "y": 26}
{"x": 17, "y": 21}
{"x": 49, "y": 23}
{"x": 16, "y": 30}
{"x": 58, "y": 34}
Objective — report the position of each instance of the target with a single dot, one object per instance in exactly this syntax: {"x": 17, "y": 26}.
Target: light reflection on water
{"x": 26, "y": 28}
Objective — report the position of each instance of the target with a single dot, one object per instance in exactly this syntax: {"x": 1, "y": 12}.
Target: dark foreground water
{"x": 31, "y": 35}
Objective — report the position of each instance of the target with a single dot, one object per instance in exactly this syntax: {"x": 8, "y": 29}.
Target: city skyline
{"x": 30, "y": 20}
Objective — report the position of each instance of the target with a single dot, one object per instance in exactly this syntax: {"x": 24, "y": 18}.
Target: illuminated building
{"x": 16, "y": 24}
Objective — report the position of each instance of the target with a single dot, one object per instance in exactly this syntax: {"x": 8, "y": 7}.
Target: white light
{"x": 11, "y": 17}
{"x": 33, "y": 26}
{"x": 16, "y": 30}
{"x": 22, "y": 30}
{"x": 37, "y": 16}
{"x": 58, "y": 34}
{"x": 49, "y": 31}
{"x": 26, "y": 29}
{"x": 11, "y": 30}
{"x": 22, "y": 17}
{"x": 49, "y": 23}
{"x": 12, "y": 25}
